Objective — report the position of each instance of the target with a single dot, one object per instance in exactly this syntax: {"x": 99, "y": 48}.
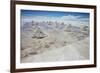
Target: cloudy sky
{"x": 67, "y": 17}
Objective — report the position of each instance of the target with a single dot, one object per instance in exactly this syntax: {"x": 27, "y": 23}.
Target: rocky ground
{"x": 49, "y": 41}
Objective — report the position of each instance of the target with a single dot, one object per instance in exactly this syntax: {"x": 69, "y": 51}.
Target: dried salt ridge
{"x": 60, "y": 42}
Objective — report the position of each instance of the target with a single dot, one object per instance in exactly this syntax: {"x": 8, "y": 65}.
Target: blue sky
{"x": 51, "y": 13}
{"x": 37, "y": 15}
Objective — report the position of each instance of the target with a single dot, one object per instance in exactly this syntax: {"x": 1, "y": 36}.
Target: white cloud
{"x": 75, "y": 20}
{"x": 70, "y": 17}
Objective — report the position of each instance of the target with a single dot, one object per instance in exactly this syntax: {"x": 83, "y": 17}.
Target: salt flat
{"x": 40, "y": 44}
{"x": 75, "y": 51}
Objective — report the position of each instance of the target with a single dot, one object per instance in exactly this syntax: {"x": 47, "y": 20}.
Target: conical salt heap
{"x": 38, "y": 33}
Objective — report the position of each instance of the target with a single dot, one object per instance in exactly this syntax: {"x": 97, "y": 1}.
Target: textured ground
{"x": 39, "y": 44}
